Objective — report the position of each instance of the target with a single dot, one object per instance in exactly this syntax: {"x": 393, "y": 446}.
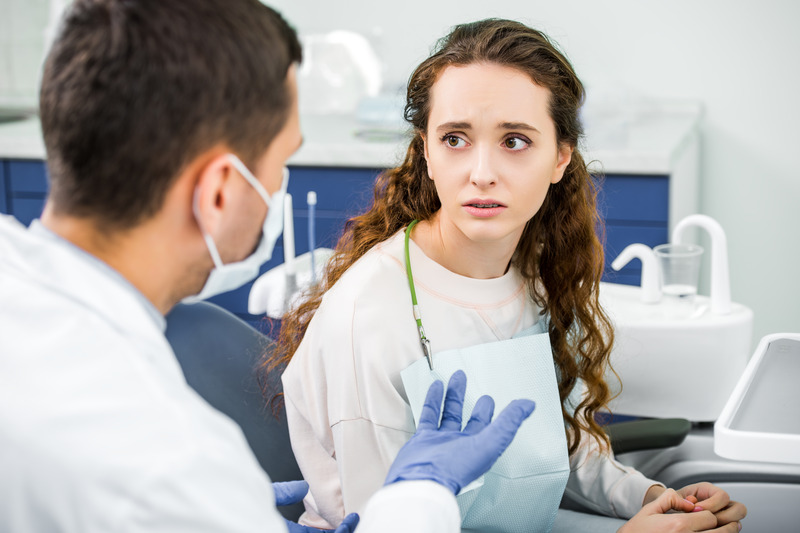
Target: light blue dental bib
{"x": 522, "y": 491}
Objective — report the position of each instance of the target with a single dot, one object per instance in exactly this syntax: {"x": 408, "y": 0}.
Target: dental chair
{"x": 218, "y": 353}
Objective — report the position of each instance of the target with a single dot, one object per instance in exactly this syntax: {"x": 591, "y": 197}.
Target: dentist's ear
{"x": 212, "y": 191}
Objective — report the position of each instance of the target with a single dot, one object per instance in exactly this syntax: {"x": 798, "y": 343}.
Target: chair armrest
{"x": 647, "y": 434}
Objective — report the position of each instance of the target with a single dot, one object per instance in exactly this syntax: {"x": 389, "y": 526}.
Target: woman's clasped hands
{"x": 696, "y": 507}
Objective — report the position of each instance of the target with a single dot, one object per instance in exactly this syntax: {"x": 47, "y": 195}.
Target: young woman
{"x": 480, "y": 251}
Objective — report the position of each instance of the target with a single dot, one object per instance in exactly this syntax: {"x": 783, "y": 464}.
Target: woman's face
{"x": 491, "y": 150}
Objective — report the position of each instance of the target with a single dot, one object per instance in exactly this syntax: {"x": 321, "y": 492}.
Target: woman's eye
{"x": 515, "y": 143}
{"x": 454, "y": 141}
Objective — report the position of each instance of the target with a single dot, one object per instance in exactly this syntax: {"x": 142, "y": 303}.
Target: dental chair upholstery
{"x": 218, "y": 353}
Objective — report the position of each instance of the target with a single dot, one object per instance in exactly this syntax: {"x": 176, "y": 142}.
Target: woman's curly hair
{"x": 559, "y": 254}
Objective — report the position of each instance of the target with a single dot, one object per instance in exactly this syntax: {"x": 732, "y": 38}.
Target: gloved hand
{"x": 447, "y": 455}
{"x": 291, "y": 492}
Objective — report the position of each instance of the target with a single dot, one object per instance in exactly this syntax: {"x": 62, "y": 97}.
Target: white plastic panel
{"x": 671, "y": 365}
{"x": 770, "y": 506}
{"x": 761, "y": 420}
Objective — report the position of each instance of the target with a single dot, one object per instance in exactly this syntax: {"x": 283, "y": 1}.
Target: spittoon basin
{"x": 673, "y": 360}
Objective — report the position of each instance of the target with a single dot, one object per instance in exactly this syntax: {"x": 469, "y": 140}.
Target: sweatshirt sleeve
{"x": 599, "y": 482}
{"x": 342, "y": 481}
{"x": 347, "y": 419}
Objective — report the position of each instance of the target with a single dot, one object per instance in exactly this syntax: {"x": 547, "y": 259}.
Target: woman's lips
{"x": 483, "y": 208}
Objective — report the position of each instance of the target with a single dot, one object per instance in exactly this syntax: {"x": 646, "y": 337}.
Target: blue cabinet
{"x": 25, "y": 188}
{"x": 635, "y": 209}
{"x": 3, "y": 188}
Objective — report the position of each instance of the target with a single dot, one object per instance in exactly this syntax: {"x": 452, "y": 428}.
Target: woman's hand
{"x": 701, "y": 507}
{"x": 653, "y": 517}
{"x": 712, "y": 498}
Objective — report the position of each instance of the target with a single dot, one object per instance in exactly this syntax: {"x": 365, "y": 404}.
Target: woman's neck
{"x": 447, "y": 245}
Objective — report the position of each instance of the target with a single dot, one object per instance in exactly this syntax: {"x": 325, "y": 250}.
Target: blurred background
{"x": 737, "y": 59}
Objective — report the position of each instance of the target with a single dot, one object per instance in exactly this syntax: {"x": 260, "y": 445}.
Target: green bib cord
{"x": 423, "y": 340}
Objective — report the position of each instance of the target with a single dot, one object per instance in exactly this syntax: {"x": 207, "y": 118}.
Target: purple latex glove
{"x": 291, "y": 492}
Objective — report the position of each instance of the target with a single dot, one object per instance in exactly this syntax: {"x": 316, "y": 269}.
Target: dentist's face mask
{"x": 226, "y": 277}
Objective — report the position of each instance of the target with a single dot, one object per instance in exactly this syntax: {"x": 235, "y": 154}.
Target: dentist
{"x": 167, "y": 127}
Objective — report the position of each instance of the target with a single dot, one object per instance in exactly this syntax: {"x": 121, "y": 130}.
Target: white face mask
{"x": 224, "y": 278}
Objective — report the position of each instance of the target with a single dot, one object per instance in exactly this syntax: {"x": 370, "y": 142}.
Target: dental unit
{"x": 696, "y": 365}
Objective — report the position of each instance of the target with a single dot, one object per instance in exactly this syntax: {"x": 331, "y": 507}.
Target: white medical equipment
{"x": 761, "y": 420}
{"x": 696, "y": 367}
{"x": 288, "y": 248}
{"x": 671, "y": 364}
{"x": 311, "y": 200}
{"x": 753, "y": 451}
{"x": 275, "y": 291}
{"x": 270, "y": 293}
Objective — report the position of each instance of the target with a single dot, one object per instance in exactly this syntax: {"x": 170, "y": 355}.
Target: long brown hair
{"x": 559, "y": 253}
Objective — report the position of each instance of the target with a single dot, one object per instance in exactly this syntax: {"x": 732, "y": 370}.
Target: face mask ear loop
{"x": 212, "y": 248}
{"x": 246, "y": 174}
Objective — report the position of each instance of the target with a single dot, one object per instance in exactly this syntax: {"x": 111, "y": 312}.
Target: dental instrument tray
{"x": 761, "y": 420}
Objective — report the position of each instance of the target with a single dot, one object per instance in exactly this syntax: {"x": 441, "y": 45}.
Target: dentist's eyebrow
{"x": 519, "y": 126}
{"x": 450, "y": 126}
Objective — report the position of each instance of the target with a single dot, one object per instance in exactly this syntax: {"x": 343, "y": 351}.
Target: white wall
{"x": 740, "y": 58}
{"x": 22, "y": 27}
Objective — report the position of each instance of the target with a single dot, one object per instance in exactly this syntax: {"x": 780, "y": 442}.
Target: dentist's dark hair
{"x": 560, "y": 252}
{"x": 133, "y": 90}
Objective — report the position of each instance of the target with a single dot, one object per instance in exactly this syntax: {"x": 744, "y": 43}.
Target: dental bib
{"x": 522, "y": 491}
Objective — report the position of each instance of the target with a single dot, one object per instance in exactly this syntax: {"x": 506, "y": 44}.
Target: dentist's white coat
{"x": 99, "y": 430}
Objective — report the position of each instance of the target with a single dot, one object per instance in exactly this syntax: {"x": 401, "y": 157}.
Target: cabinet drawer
{"x": 3, "y": 187}
{"x": 634, "y": 198}
{"x": 27, "y": 177}
{"x": 346, "y": 190}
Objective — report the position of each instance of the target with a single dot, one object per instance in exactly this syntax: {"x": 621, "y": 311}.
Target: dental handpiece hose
{"x": 288, "y": 249}
{"x": 311, "y": 200}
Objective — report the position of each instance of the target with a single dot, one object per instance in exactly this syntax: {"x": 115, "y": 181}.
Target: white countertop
{"x": 635, "y": 141}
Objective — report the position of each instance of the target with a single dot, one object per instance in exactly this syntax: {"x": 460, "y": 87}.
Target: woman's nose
{"x": 483, "y": 173}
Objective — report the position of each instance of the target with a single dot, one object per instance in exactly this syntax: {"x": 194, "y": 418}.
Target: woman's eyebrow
{"x": 455, "y": 125}
{"x": 517, "y": 126}
{"x": 450, "y": 126}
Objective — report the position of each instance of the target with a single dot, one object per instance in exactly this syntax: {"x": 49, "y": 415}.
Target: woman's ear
{"x": 564, "y": 158}
{"x": 425, "y": 153}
